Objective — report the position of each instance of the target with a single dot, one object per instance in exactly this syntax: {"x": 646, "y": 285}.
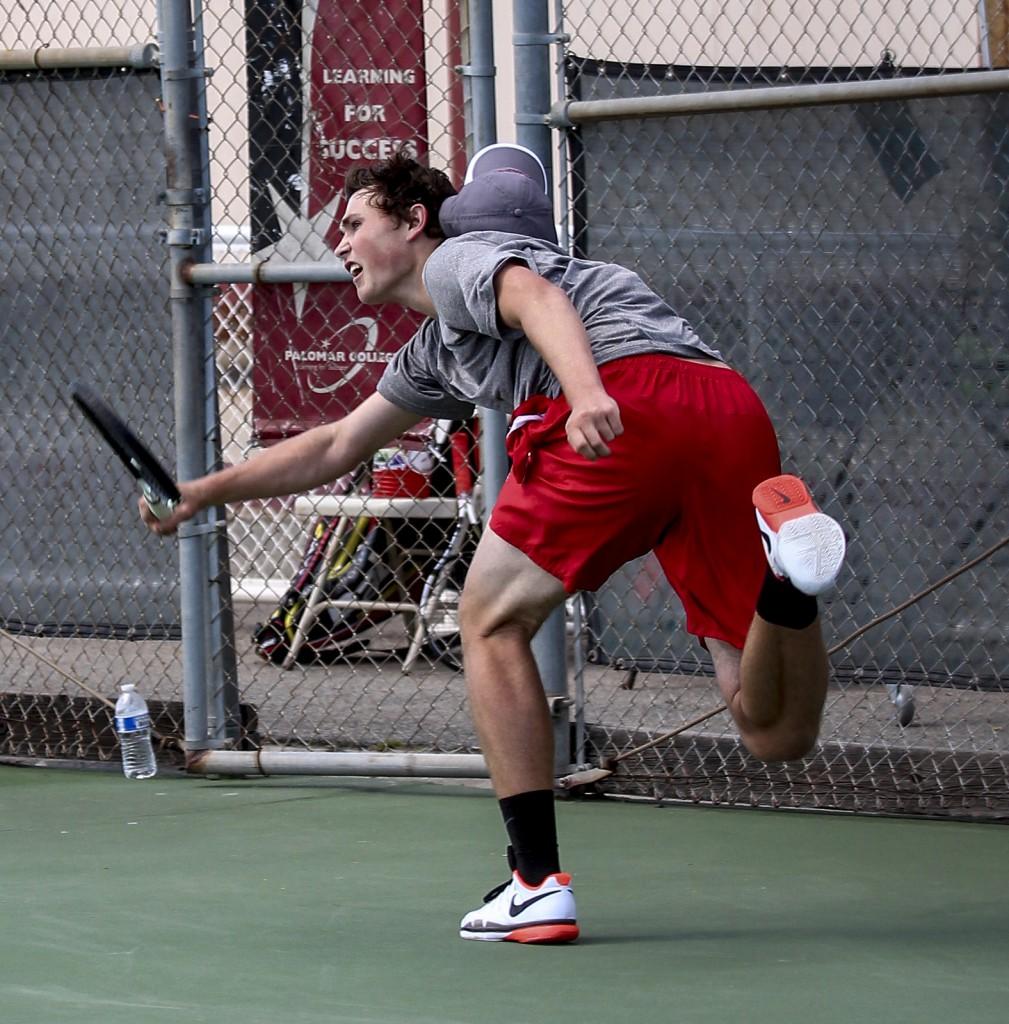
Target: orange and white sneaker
{"x": 803, "y": 545}
{"x": 516, "y": 912}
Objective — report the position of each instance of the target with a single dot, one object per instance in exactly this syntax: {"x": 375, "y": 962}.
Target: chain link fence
{"x": 343, "y": 602}
{"x": 849, "y": 259}
{"x": 86, "y": 601}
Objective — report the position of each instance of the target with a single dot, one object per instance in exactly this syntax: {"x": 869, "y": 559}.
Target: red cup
{"x": 399, "y": 482}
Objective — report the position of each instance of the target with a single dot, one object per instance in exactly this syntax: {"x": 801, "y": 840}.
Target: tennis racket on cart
{"x": 157, "y": 486}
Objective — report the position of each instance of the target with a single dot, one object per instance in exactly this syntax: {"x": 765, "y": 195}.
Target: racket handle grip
{"x": 160, "y": 508}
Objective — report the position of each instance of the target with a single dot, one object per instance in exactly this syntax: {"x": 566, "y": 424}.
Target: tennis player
{"x": 629, "y": 434}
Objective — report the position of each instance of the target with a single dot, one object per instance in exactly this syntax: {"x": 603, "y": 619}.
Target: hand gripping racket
{"x": 158, "y": 488}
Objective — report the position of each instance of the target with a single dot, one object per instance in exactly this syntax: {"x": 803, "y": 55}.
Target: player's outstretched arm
{"x": 547, "y": 318}
{"x": 316, "y": 457}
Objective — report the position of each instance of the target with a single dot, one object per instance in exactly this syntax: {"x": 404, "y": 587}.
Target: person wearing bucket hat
{"x": 505, "y": 190}
{"x": 629, "y": 435}
{"x": 508, "y": 156}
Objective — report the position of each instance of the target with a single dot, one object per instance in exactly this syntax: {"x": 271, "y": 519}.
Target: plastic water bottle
{"x": 133, "y": 724}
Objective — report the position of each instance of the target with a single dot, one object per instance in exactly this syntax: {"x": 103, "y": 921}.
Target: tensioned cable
{"x": 73, "y": 679}
{"x": 609, "y": 766}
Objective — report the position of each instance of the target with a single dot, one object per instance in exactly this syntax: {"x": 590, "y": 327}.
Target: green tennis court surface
{"x": 314, "y": 900}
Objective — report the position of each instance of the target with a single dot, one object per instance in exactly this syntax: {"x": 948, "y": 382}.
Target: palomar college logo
{"x": 326, "y": 369}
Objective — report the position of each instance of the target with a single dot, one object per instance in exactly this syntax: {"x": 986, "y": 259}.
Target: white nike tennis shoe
{"x": 803, "y": 545}
{"x": 516, "y": 912}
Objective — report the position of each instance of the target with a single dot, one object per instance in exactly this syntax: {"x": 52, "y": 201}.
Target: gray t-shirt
{"x": 466, "y": 356}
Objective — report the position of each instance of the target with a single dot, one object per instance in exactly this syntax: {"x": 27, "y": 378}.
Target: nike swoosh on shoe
{"x": 514, "y": 909}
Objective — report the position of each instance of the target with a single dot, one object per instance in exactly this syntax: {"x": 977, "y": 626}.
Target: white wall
{"x": 934, "y": 33}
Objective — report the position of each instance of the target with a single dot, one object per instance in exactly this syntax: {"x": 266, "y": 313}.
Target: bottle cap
{"x": 127, "y": 687}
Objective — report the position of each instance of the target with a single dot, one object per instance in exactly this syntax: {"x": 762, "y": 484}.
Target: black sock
{"x": 532, "y": 831}
{"x": 781, "y": 604}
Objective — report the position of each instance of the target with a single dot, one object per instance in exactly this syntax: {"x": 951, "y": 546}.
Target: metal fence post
{"x": 481, "y": 74}
{"x": 186, "y": 197}
{"x": 532, "y": 41}
{"x": 224, "y": 716}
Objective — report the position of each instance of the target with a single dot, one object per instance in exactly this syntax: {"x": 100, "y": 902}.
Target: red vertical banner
{"x": 332, "y": 85}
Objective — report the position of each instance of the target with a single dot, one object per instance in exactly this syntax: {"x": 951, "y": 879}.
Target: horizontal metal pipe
{"x": 266, "y": 272}
{"x": 567, "y": 113}
{"x": 372, "y": 605}
{"x": 280, "y": 761}
{"x": 44, "y": 58}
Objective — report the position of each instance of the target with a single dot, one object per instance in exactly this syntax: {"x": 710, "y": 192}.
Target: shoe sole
{"x": 542, "y": 934}
{"x": 815, "y": 541}
{"x": 811, "y": 551}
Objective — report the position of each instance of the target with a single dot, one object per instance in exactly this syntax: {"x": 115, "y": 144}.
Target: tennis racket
{"x": 158, "y": 488}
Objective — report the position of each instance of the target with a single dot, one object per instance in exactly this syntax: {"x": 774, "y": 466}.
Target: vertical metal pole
{"x": 177, "y": 73}
{"x": 480, "y": 74}
{"x": 578, "y": 753}
{"x": 224, "y": 715}
{"x": 532, "y": 39}
{"x": 563, "y": 165}
{"x": 532, "y": 79}
{"x": 455, "y": 95}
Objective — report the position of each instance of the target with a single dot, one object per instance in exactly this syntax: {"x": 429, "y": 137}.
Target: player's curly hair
{"x": 400, "y": 182}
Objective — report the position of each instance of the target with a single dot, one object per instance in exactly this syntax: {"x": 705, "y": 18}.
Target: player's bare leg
{"x": 506, "y": 599}
{"x": 776, "y": 687}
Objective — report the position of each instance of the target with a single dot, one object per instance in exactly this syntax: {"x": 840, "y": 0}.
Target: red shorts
{"x": 679, "y": 481}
